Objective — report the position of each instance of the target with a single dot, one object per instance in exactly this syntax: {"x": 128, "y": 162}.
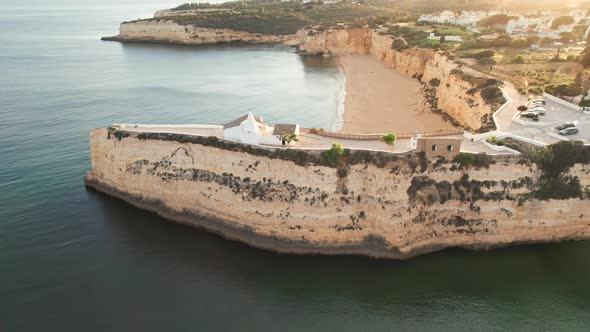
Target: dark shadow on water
{"x": 318, "y": 61}
{"x": 155, "y": 46}
{"x": 504, "y": 275}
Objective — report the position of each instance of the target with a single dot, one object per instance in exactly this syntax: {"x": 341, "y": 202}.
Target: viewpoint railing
{"x": 376, "y": 137}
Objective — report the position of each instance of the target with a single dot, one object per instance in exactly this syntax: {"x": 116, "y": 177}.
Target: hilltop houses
{"x": 464, "y": 18}
{"x": 251, "y": 129}
{"x": 526, "y": 24}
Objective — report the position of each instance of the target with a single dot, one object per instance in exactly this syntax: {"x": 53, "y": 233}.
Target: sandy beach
{"x": 381, "y": 100}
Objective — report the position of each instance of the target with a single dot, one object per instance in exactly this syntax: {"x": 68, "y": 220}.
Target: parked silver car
{"x": 565, "y": 125}
{"x": 530, "y": 115}
{"x": 535, "y": 103}
{"x": 569, "y": 131}
{"x": 538, "y": 110}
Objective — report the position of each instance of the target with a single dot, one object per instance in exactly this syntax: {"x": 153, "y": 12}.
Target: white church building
{"x": 251, "y": 129}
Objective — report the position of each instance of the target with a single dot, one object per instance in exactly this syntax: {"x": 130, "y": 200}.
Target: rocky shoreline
{"x": 180, "y": 43}
{"x": 383, "y": 206}
{"x": 371, "y": 246}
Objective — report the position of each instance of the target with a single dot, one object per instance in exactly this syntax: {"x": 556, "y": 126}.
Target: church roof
{"x": 281, "y": 129}
{"x": 236, "y": 122}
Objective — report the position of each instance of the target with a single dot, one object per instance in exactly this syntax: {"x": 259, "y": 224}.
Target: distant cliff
{"x": 447, "y": 89}
{"x": 166, "y": 31}
{"x": 381, "y": 205}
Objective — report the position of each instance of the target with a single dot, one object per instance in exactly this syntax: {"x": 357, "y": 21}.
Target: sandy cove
{"x": 381, "y": 100}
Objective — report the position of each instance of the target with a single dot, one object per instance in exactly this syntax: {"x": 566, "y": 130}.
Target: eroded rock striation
{"x": 380, "y": 205}
{"x": 167, "y": 31}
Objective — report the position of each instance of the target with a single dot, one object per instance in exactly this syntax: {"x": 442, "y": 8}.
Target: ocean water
{"x": 75, "y": 260}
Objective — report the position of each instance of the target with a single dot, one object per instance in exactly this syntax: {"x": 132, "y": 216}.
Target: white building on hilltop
{"x": 463, "y": 18}
{"x": 252, "y": 130}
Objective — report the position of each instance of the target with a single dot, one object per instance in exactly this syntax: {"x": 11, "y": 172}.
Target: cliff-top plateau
{"x": 351, "y": 199}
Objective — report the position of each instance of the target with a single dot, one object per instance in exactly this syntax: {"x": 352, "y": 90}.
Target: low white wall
{"x": 153, "y": 126}
{"x": 500, "y": 148}
{"x": 502, "y": 108}
{"x": 481, "y": 137}
{"x": 520, "y": 138}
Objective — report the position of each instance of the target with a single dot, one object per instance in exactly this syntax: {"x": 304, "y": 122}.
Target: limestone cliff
{"x": 166, "y": 31}
{"x": 378, "y": 205}
{"x": 454, "y": 94}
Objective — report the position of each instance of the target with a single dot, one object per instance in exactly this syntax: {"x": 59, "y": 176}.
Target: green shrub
{"x": 389, "y": 138}
{"x": 494, "y": 140}
{"x": 332, "y": 156}
{"x": 119, "y": 134}
{"x": 518, "y": 59}
{"x": 398, "y": 44}
{"x": 571, "y": 89}
{"x": 491, "y": 94}
{"x": 477, "y": 160}
{"x": 482, "y": 54}
{"x": 465, "y": 159}
{"x": 554, "y": 160}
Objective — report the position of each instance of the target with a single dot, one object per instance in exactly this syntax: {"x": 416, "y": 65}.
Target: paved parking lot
{"x": 544, "y": 130}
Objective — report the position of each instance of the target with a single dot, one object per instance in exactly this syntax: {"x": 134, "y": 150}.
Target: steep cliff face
{"x": 407, "y": 207}
{"x": 433, "y": 68}
{"x": 170, "y": 32}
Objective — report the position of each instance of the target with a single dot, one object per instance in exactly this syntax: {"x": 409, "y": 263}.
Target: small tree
{"x": 332, "y": 156}
{"x": 288, "y": 138}
{"x": 522, "y": 108}
{"x": 389, "y": 138}
{"x": 442, "y": 39}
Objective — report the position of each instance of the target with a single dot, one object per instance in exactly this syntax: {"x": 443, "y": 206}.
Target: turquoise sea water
{"x": 75, "y": 260}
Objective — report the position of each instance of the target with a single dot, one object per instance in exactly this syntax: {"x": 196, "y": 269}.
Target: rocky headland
{"x": 376, "y": 204}
{"x": 366, "y": 203}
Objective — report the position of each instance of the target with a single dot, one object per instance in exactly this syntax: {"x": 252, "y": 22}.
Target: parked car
{"x": 530, "y": 115}
{"x": 538, "y": 100}
{"x": 565, "y": 125}
{"x": 569, "y": 131}
{"x": 540, "y": 111}
{"x": 533, "y": 104}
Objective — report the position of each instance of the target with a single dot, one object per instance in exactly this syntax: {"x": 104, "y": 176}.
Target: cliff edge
{"x": 374, "y": 204}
